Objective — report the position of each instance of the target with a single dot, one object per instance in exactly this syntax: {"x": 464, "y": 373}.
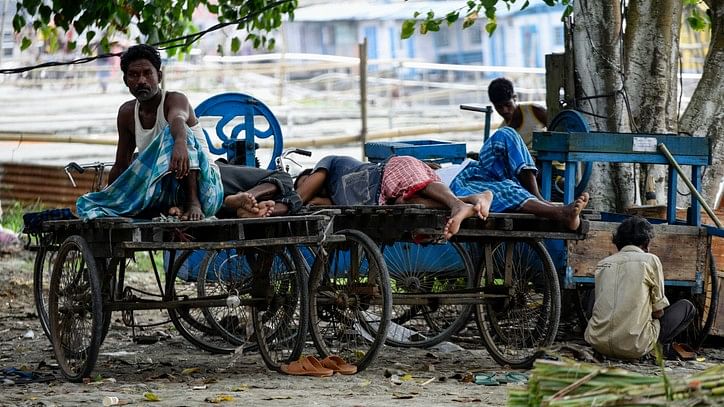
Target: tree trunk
{"x": 651, "y": 60}
{"x": 597, "y": 42}
{"x": 704, "y": 115}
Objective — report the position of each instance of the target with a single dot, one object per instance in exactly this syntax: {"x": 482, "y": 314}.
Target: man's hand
{"x": 180, "y": 160}
{"x": 657, "y": 314}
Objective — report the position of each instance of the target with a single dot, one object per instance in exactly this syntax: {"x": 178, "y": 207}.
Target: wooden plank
{"x": 682, "y": 249}
{"x": 609, "y": 142}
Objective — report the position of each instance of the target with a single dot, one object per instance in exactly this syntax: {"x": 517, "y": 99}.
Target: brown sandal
{"x": 306, "y": 366}
{"x": 338, "y": 364}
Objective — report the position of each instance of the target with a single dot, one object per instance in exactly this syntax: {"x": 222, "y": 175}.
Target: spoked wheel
{"x": 191, "y": 322}
{"x": 522, "y": 318}
{"x": 282, "y": 317}
{"x": 42, "y": 269}
{"x": 350, "y": 299}
{"x": 75, "y": 309}
{"x": 422, "y": 278}
{"x": 706, "y": 305}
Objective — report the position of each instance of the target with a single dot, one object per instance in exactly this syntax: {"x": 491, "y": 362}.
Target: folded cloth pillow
{"x": 34, "y": 220}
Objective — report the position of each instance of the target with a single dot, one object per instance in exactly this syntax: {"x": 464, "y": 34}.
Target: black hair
{"x": 141, "y": 51}
{"x": 306, "y": 171}
{"x": 500, "y": 90}
{"x": 635, "y": 231}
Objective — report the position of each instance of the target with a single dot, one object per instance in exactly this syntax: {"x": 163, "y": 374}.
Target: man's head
{"x": 635, "y": 231}
{"x": 141, "y": 66}
{"x": 503, "y": 98}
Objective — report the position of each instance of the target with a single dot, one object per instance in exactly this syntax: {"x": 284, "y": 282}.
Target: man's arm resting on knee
{"x": 178, "y": 116}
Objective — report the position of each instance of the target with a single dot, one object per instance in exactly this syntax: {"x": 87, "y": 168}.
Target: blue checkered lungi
{"x": 145, "y": 188}
{"x": 502, "y": 157}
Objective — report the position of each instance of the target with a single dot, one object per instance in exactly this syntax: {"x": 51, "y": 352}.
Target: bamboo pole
{"x": 665, "y": 151}
{"x": 363, "y": 93}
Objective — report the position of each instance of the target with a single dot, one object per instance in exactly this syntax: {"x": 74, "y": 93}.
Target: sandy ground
{"x": 181, "y": 375}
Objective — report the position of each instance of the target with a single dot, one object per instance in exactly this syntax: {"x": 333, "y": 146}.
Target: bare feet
{"x": 481, "y": 203}
{"x": 174, "y": 211}
{"x": 571, "y": 212}
{"x": 457, "y": 215}
{"x": 193, "y": 212}
{"x": 243, "y": 200}
{"x": 263, "y": 210}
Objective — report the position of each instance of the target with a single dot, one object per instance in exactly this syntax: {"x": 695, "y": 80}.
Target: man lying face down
{"x": 340, "y": 180}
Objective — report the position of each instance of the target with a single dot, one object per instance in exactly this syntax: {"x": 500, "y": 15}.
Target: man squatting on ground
{"x": 339, "y": 180}
{"x": 506, "y": 168}
{"x": 170, "y": 140}
{"x": 631, "y": 312}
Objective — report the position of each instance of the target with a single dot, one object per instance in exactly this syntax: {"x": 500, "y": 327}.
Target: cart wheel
{"x": 416, "y": 270}
{"x": 706, "y": 305}
{"x": 224, "y": 273}
{"x": 281, "y": 320}
{"x": 350, "y": 299}
{"x": 42, "y": 269}
{"x": 75, "y": 309}
{"x": 516, "y": 327}
{"x": 190, "y": 321}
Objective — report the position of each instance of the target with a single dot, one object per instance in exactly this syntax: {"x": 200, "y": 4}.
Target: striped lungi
{"x": 405, "y": 176}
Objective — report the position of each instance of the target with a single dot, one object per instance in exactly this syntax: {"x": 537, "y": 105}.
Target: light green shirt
{"x": 629, "y": 287}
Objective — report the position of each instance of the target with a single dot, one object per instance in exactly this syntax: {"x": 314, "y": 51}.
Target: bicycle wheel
{"x": 42, "y": 270}
{"x": 227, "y": 273}
{"x": 281, "y": 319}
{"x": 706, "y": 305}
{"x": 517, "y": 326}
{"x": 416, "y": 271}
{"x": 350, "y": 299}
{"x": 190, "y": 321}
{"x": 75, "y": 309}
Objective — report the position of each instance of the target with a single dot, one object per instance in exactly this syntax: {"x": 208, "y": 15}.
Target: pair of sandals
{"x": 311, "y": 366}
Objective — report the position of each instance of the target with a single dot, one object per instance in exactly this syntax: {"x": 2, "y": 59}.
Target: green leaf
{"x": 416, "y": 14}
{"x": 697, "y": 23}
{"x": 567, "y": 12}
{"x": 18, "y": 22}
{"x": 44, "y": 12}
{"x": 452, "y": 17}
{"x": 235, "y": 44}
{"x": 490, "y": 27}
{"x": 527, "y": 3}
{"x": 408, "y": 28}
{"x": 433, "y": 25}
{"x": 272, "y": 44}
{"x": 490, "y": 13}
{"x": 25, "y": 44}
{"x": 72, "y": 45}
{"x": 89, "y": 36}
{"x": 257, "y": 42}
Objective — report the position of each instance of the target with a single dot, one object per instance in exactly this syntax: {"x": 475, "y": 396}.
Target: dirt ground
{"x": 180, "y": 375}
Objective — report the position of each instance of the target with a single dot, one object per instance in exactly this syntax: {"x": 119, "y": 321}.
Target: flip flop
{"x": 683, "y": 351}
{"x": 338, "y": 365}
{"x": 486, "y": 379}
{"x": 307, "y": 366}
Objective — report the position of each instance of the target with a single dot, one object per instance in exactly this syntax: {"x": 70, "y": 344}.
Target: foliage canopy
{"x": 166, "y": 23}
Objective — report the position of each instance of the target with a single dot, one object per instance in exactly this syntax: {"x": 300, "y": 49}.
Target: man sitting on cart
{"x": 631, "y": 312}
{"x": 506, "y": 168}
{"x": 340, "y": 180}
{"x": 173, "y": 172}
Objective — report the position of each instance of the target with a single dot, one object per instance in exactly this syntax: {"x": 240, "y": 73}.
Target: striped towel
{"x": 144, "y": 187}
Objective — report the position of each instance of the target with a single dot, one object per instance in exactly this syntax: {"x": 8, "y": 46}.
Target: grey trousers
{"x": 237, "y": 178}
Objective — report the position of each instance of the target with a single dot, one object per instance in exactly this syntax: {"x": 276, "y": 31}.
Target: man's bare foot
{"x": 242, "y": 200}
{"x": 174, "y": 211}
{"x": 193, "y": 212}
{"x": 481, "y": 204}
{"x": 262, "y": 210}
{"x": 571, "y": 212}
{"x": 457, "y": 215}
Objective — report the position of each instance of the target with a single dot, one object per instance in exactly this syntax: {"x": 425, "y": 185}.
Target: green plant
{"x": 12, "y": 217}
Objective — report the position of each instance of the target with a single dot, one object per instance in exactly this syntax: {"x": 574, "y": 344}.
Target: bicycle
{"x": 46, "y": 250}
